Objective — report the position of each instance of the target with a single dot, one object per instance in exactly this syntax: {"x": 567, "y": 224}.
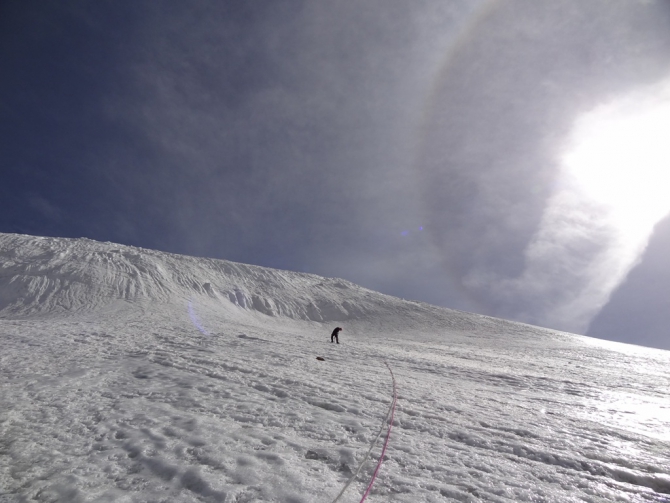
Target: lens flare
{"x": 194, "y": 318}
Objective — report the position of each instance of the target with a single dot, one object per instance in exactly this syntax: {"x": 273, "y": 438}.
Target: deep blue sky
{"x": 411, "y": 147}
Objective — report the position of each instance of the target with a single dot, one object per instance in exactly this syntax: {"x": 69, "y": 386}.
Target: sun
{"x": 619, "y": 158}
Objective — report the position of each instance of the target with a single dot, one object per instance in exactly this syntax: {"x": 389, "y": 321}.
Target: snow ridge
{"x": 52, "y": 275}
{"x": 47, "y": 276}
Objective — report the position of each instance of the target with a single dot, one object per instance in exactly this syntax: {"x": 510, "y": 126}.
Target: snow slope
{"x": 133, "y": 375}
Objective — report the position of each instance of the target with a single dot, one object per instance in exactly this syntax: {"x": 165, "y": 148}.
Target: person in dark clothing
{"x": 334, "y": 335}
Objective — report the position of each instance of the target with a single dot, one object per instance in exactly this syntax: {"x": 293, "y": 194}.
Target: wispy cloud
{"x": 522, "y": 241}
{"x": 284, "y": 129}
{"x": 614, "y": 189}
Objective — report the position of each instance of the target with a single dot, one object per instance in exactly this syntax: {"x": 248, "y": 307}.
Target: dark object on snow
{"x": 334, "y": 334}
{"x": 321, "y": 358}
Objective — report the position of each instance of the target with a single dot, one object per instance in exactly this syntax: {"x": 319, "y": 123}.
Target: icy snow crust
{"x": 132, "y": 375}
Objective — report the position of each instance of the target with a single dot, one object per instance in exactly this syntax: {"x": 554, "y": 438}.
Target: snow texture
{"x": 131, "y": 375}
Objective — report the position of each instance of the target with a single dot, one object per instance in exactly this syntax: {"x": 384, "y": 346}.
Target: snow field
{"x": 119, "y": 394}
{"x": 171, "y": 417}
{"x": 149, "y": 409}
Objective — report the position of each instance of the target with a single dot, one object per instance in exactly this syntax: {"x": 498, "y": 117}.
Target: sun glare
{"x": 619, "y": 158}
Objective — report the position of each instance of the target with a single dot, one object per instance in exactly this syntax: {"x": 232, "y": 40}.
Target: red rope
{"x": 386, "y": 441}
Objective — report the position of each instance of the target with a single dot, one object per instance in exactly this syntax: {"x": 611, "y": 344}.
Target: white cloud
{"x": 594, "y": 229}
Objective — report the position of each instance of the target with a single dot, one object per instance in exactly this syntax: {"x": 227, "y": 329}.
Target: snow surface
{"x": 132, "y": 375}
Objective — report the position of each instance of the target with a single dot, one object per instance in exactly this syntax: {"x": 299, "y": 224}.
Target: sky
{"x": 500, "y": 157}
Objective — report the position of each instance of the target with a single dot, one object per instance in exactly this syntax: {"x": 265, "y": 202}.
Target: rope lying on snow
{"x": 391, "y": 412}
{"x": 388, "y": 435}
